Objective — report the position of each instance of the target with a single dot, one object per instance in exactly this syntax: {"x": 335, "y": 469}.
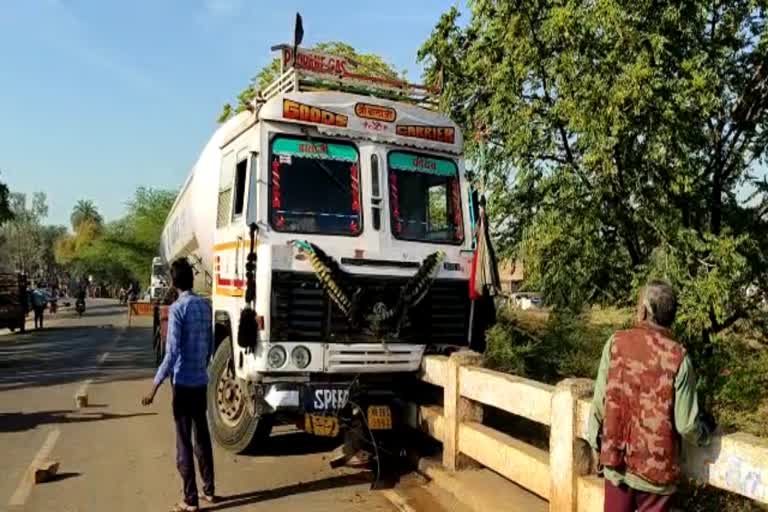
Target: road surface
{"x": 117, "y": 455}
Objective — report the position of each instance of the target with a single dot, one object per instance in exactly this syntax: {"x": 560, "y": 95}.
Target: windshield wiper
{"x": 344, "y": 188}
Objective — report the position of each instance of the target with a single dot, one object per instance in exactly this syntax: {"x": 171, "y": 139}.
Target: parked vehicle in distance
{"x": 14, "y": 303}
{"x": 158, "y": 281}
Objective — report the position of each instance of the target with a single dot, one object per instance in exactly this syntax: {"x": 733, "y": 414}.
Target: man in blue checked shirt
{"x": 188, "y": 349}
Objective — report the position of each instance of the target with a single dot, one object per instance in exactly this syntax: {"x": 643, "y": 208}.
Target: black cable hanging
{"x": 335, "y": 283}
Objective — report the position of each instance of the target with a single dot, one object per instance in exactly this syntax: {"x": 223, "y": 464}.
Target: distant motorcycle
{"x": 80, "y": 307}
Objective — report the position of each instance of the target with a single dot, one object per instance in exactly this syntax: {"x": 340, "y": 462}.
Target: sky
{"x": 99, "y": 97}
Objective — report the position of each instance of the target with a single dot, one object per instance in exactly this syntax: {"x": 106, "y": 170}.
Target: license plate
{"x": 379, "y": 417}
{"x": 325, "y": 398}
{"x": 326, "y": 426}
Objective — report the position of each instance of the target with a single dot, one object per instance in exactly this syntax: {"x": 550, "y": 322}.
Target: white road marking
{"x": 25, "y": 484}
{"x": 103, "y": 357}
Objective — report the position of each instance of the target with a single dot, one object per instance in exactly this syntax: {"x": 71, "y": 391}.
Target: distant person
{"x": 188, "y": 348}
{"x": 39, "y": 302}
{"x": 133, "y": 293}
{"x": 54, "y": 301}
{"x": 645, "y": 400}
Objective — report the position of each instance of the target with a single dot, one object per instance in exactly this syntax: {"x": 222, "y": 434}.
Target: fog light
{"x": 276, "y": 356}
{"x": 301, "y": 357}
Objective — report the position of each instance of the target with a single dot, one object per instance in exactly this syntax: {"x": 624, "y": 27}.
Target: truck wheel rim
{"x": 229, "y": 398}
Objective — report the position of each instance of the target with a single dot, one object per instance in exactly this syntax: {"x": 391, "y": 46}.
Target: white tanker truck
{"x": 334, "y": 219}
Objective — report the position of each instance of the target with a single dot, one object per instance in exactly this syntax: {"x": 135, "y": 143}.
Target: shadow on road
{"x": 293, "y": 443}
{"x": 67, "y": 354}
{"x": 97, "y": 312}
{"x": 20, "y": 421}
{"x": 64, "y": 476}
{"x": 249, "y": 498}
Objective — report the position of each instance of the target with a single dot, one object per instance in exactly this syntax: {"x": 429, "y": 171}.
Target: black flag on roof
{"x": 298, "y": 31}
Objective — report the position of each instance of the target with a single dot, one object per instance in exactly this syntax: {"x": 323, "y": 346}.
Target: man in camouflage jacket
{"x": 644, "y": 402}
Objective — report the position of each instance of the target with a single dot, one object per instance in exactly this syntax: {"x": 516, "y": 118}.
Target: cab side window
{"x": 240, "y": 181}
{"x": 226, "y": 178}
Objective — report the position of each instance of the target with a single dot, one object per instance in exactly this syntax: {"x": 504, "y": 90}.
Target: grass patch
{"x": 549, "y": 347}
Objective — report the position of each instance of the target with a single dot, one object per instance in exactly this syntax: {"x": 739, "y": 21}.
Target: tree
{"x": 70, "y": 249}
{"x": 616, "y": 141}
{"x": 5, "y": 206}
{"x": 121, "y": 250}
{"x": 49, "y": 236}
{"x": 372, "y": 63}
{"x": 23, "y": 234}
{"x": 84, "y": 210}
{"x": 135, "y": 239}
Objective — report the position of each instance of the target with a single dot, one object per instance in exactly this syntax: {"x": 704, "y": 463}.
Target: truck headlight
{"x": 276, "y": 356}
{"x": 301, "y": 357}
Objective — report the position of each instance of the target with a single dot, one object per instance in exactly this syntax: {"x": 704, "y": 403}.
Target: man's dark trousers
{"x": 39, "y": 317}
{"x": 189, "y": 405}
{"x": 625, "y": 499}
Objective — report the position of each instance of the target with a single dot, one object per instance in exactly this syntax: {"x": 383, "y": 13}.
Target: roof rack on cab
{"x": 312, "y": 70}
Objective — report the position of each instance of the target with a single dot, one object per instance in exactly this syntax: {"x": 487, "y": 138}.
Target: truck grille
{"x": 301, "y": 311}
{"x": 373, "y": 358}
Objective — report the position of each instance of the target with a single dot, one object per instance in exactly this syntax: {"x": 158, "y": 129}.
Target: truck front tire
{"x": 232, "y": 424}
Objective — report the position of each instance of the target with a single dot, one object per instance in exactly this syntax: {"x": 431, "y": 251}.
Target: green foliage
{"x": 26, "y": 243}
{"x": 373, "y": 65}
{"x": 509, "y": 349}
{"x": 70, "y": 248}
{"x": 267, "y": 75}
{"x": 571, "y": 260}
{"x": 226, "y": 113}
{"x": 5, "y": 205}
{"x": 121, "y": 250}
{"x": 49, "y": 235}
{"x": 615, "y": 141}
{"x": 135, "y": 239}
{"x": 619, "y": 141}
{"x": 84, "y": 210}
{"x": 564, "y": 345}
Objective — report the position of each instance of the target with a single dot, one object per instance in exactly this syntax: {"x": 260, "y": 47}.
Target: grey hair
{"x": 660, "y": 300}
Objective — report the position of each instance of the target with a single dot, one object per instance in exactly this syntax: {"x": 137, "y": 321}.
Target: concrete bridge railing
{"x": 735, "y": 462}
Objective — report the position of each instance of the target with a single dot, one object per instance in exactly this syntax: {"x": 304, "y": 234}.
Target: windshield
{"x": 425, "y": 198}
{"x": 314, "y": 187}
{"x": 158, "y": 269}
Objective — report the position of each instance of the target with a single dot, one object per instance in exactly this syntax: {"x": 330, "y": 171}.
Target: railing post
{"x": 565, "y": 458}
{"x": 457, "y": 409}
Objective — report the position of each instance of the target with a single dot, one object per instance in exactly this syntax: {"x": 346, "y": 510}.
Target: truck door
{"x": 230, "y": 246}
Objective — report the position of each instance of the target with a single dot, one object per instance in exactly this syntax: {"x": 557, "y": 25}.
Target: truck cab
{"x": 158, "y": 280}
{"x": 348, "y": 197}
